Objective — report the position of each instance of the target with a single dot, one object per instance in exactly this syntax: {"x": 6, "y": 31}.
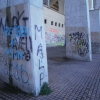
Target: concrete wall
{"x": 61, "y": 4}
{"x": 95, "y": 30}
{"x": 55, "y": 35}
{"x": 22, "y": 47}
{"x": 78, "y": 43}
{"x": 89, "y": 3}
{"x": 97, "y": 4}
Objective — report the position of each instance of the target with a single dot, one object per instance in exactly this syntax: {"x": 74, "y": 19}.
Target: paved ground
{"x": 69, "y": 79}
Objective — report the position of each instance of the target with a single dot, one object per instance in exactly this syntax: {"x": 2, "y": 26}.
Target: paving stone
{"x": 69, "y": 79}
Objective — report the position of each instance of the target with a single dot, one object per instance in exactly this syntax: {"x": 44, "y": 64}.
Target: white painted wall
{"x": 54, "y": 16}
{"x": 51, "y": 15}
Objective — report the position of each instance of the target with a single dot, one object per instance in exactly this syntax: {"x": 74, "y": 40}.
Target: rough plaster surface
{"x": 78, "y": 45}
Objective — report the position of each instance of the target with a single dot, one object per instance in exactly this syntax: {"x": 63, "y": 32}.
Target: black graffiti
{"x": 19, "y": 49}
{"x": 19, "y": 45}
{"x": 21, "y": 32}
{"x": 80, "y": 42}
{"x": 39, "y": 30}
{"x": 15, "y": 20}
{"x": 18, "y": 55}
{"x": 40, "y": 51}
{"x": 41, "y": 78}
{"x": 42, "y": 75}
{"x": 25, "y": 19}
{"x": 23, "y": 43}
{"x": 30, "y": 44}
{"x": 27, "y": 55}
{"x": 1, "y": 24}
{"x": 76, "y": 36}
{"x": 95, "y": 47}
{"x": 82, "y": 47}
{"x": 40, "y": 67}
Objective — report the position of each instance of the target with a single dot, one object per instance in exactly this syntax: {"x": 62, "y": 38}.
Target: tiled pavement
{"x": 69, "y": 79}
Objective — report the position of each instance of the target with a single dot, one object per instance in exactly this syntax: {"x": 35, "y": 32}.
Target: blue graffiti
{"x": 16, "y": 65}
{"x": 22, "y": 75}
{"x": 19, "y": 31}
{"x": 16, "y": 55}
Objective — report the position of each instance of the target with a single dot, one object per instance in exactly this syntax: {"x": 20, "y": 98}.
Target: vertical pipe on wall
{"x": 89, "y": 33}
{"x": 92, "y": 5}
{"x": 48, "y": 3}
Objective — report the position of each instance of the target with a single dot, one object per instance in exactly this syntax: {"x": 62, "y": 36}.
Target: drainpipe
{"x": 48, "y": 3}
{"x": 92, "y": 5}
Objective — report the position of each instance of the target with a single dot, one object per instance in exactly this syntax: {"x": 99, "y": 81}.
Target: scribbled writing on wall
{"x": 78, "y": 44}
{"x": 19, "y": 48}
{"x": 18, "y": 72}
{"x": 40, "y": 55}
{"x": 95, "y": 42}
{"x": 54, "y": 39}
{"x": 95, "y": 47}
{"x": 15, "y": 20}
